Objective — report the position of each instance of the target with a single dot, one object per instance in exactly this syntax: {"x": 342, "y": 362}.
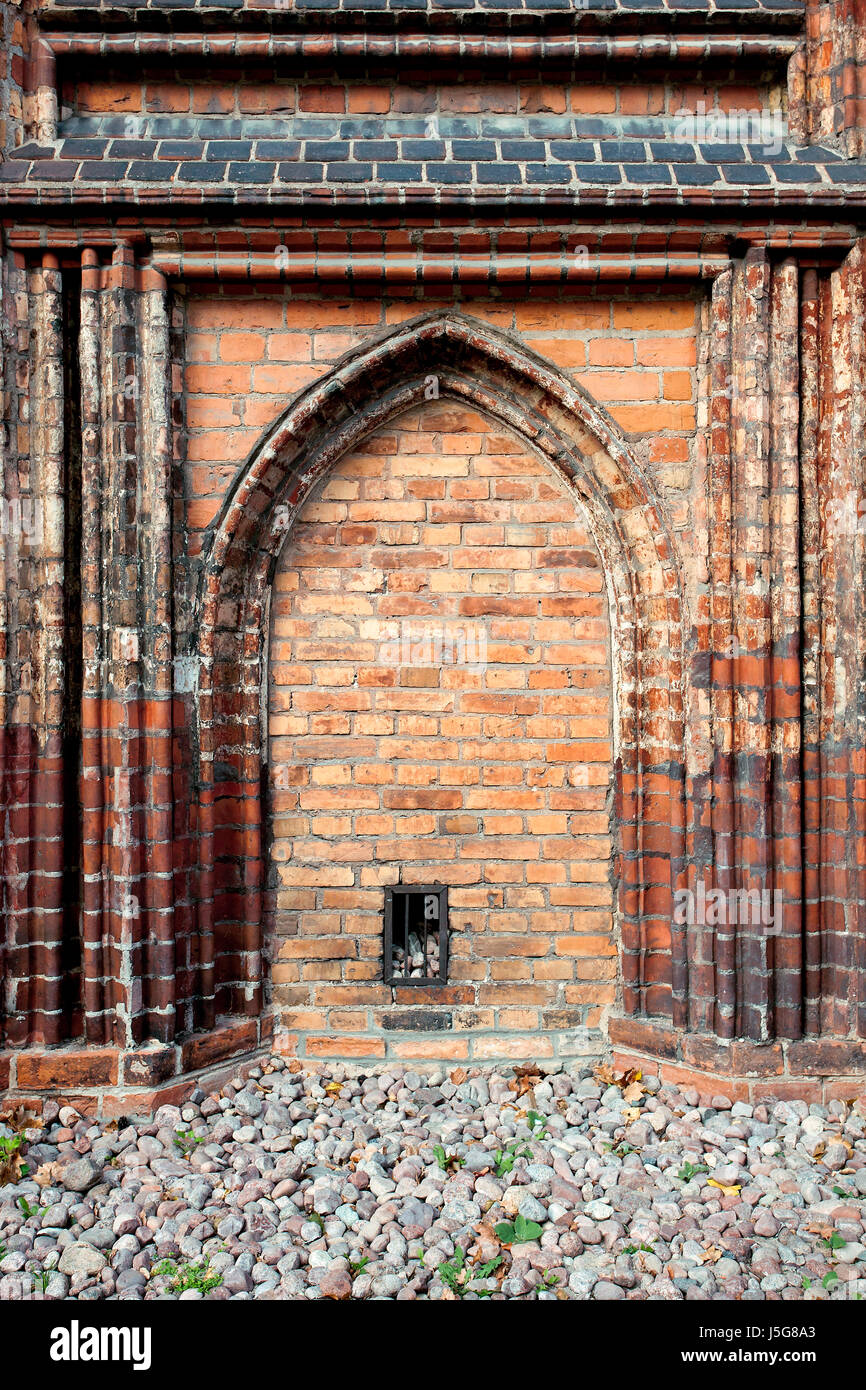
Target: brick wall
{"x": 233, "y": 251}
{"x": 491, "y": 773}
{"x": 245, "y": 355}
{"x": 332, "y": 854}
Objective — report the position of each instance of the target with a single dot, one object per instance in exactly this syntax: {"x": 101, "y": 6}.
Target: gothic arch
{"x": 381, "y": 379}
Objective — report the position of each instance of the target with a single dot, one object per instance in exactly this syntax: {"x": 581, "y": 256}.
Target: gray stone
{"x": 81, "y": 1259}
{"x": 79, "y": 1174}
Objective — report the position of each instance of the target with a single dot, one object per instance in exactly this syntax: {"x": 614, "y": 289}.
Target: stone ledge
{"x": 812, "y": 1069}
{"x": 109, "y": 1081}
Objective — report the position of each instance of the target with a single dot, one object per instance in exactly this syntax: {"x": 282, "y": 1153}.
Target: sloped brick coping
{"x": 472, "y": 363}
{"x": 106, "y": 1081}
{"x": 811, "y": 1069}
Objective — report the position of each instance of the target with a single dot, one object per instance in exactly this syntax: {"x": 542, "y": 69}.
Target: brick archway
{"x": 461, "y": 358}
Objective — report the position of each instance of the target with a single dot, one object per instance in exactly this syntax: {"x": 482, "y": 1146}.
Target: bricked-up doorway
{"x": 563, "y": 440}
{"x": 440, "y": 712}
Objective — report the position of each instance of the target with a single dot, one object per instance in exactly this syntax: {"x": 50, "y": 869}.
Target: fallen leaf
{"x": 630, "y": 1114}
{"x": 712, "y": 1254}
{"x": 525, "y": 1079}
{"x": 47, "y": 1174}
{"x": 333, "y": 1088}
{"x": 726, "y": 1191}
{"x": 627, "y": 1081}
{"x": 458, "y": 1076}
{"x": 295, "y": 1066}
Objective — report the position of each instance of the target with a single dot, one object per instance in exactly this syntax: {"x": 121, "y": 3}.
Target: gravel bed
{"x": 430, "y": 1184}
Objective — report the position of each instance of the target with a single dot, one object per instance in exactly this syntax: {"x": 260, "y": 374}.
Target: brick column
{"x": 841, "y": 489}
{"x": 126, "y": 787}
{"x": 755, "y": 664}
{"x": 47, "y": 656}
{"x": 828, "y": 80}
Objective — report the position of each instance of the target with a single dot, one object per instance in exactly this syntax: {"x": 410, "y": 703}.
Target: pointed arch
{"x": 468, "y": 360}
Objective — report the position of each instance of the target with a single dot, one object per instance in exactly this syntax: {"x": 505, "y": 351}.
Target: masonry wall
{"x": 246, "y": 354}
{"x": 234, "y": 248}
{"x": 489, "y": 771}
{"x": 415, "y": 525}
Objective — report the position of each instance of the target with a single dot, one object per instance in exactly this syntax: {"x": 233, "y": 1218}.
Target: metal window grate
{"x": 416, "y": 935}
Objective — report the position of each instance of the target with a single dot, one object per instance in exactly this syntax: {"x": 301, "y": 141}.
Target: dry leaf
{"x": 712, "y": 1254}
{"x": 819, "y": 1150}
{"x": 333, "y": 1088}
{"x": 47, "y": 1174}
{"x": 525, "y": 1078}
{"x": 630, "y": 1114}
{"x": 296, "y": 1066}
{"x": 733, "y": 1191}
{"x": 628, "y": 1082}
{"x": 459, "y": 1076}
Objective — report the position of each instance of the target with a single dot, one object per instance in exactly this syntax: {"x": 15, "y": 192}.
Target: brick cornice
{"x": 521, "y": 16}
{"x": 430, "y": 201}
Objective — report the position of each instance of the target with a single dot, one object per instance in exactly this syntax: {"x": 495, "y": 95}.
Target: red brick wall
{"x": 246, "y": 356}
{"x": 492, "y": 776}
{"x": 258, "y": 94}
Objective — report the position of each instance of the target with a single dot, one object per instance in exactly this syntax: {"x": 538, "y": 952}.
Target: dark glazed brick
{"x": 231, "y": 149}
{"x": 446, "y": 173}
{"x": 744, "y": 173}
{"x": 422, "y": 149}
{"x": 350, "y": 173}
{"x": 648, "y": 173}
{"x": 474, "y": 149}
{"x": 132, "y": 149}
{"x": 797, "y": 173}
{"x": 574, "y": 151}
{"x": 151, "y": 172}
{"x": 251, "y": 173}
{"x": 326, "y": 150}
{"x": 499, "y": 173}
{"x": 202, "y": 172}
{"x": 277, "y": 149}
{"x": 622, "y": 151}
{"x": 80, "y": 149}
{"x": 598, "y": 173}
{"x": 695, "y": 175}
{"x": 418, "y": 1021}
{"x": 672, "y": 152}
{"x": 548, "y": 173}
{"x": 301, "y": 172}
{"x": 722, "y": 154}
{"x": 399, "y": 173}
{"x": 102, "y": 171}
